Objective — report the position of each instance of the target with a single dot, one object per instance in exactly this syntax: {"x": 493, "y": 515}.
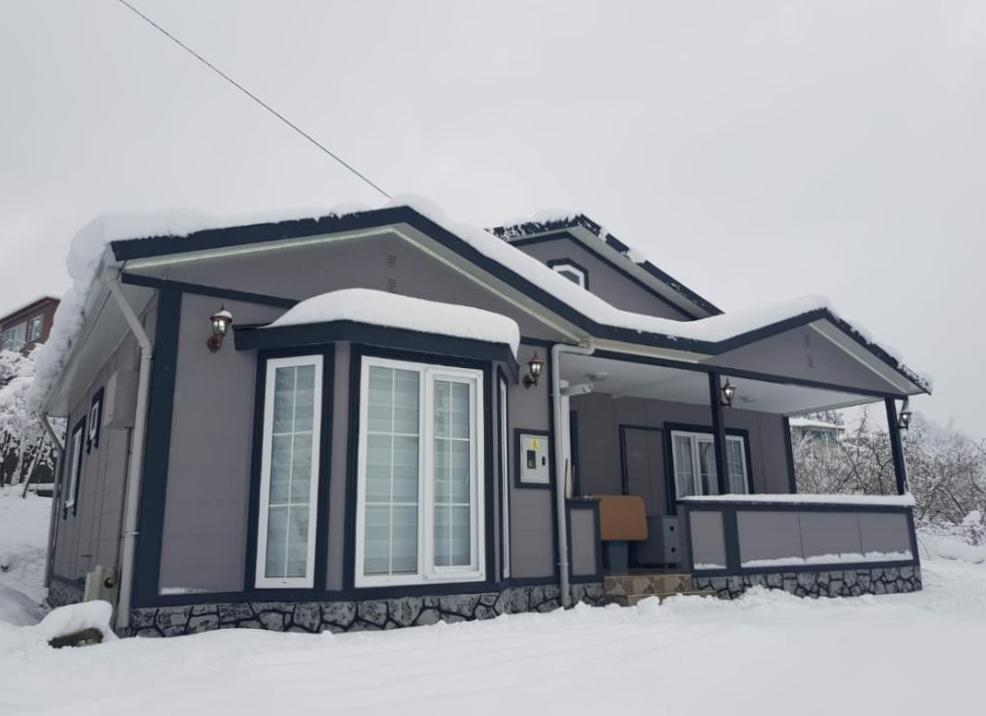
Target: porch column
{"x": 718, "y": 432}
{"x": 896, "y": 446}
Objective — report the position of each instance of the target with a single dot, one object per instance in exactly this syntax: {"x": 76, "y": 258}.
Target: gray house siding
{"x": 806, "y": 354}
{"x": 598, "y": 452}
{"x": 604, "y": 280}
{"x": 384, "y": 262}
{"x": 205, "y": 531}
{"x": 205, "y": 515}
{"x": 88, "y": 534}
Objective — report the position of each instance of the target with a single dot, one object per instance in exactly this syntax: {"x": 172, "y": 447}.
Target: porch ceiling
{"x": 640, "y": 380}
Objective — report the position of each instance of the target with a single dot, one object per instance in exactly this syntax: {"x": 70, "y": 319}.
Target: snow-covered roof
{"x": 391, "y": 310}
{"x": 27, "y": 304}
{"x": 816, "y": 424}
{"x": 114, "y": 239}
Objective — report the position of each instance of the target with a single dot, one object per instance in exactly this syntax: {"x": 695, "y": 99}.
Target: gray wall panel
{"x": 205, "y": 515}
{"x": 707, "y": 541}
{"x": 768, "y": 535}
{"x": 583, "y": 531}
{"x": 885, "y": 532}
{"x": 829, "y": 533}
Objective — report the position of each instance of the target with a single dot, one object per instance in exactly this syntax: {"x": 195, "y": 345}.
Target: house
{"x": 819, "y": 432}
{"x": 27, "y": 325}
{"x": 382, "y": 418}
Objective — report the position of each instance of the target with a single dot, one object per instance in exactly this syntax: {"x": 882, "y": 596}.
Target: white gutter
{"x": 560, "y": 464}
{"x": 132, "y": 498}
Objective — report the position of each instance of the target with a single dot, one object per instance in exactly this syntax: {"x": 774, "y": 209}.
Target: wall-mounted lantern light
{"x": 728, "y": 393}
{"x": 535, "y": 365}
{"x": 221, "y": 320}
{"x": 904, "y": 418}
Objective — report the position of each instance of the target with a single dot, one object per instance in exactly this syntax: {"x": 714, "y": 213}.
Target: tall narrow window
{"x": 289, "y": 472}
{"x": 76, "y": 446}
{"x": 694, "y": 460}
{"x": 504, "y": 479}
{"x": 419, "y": 515}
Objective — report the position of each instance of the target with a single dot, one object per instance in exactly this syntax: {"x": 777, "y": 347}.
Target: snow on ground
{"x": 767, "y": 653}
{"x": 23, "y": 537}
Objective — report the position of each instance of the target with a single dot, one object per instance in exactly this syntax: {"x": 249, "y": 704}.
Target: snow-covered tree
{"x": 946, "y": 469}
{"x": 24, "y": 444}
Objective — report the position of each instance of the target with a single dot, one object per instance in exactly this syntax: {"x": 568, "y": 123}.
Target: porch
{"x": 705, "y": 451}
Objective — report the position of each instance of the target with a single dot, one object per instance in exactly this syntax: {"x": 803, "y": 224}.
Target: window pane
{"x": 390, "y": 536}
{"x": 290, "y": 471}
{"x": 683, "y": 467}
{"x": 707, "y": 467}
{"x": 735, "y": 460}
{"x": 452, "y": 474}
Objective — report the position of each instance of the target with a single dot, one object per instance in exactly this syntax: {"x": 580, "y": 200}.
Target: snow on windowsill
{"x": 798, "y": 499}
{"x": 391, "y": 310}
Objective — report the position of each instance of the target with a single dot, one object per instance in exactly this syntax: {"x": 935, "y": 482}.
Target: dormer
{"x": 582, "y": 251}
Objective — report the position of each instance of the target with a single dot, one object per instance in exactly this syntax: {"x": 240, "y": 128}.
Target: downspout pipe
{"x": 56, "y": 487}
{"x": 560, "y": 482}
{"x": 132, "y": 499}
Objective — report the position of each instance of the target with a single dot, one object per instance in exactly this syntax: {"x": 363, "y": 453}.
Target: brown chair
{"x": 622, "y": 519}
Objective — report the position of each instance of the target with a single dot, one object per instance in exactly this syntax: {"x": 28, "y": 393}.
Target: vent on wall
{"x": 392, "y": 285}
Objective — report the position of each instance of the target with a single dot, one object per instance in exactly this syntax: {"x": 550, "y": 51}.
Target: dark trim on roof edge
{"x": 314, "y": 334}
{"x": 535, "y": 227}
{"x": 380, "y": 218}
{"x": 134, "y": 279}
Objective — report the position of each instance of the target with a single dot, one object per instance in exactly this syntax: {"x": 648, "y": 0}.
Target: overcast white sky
{"x": 755, "y": 150}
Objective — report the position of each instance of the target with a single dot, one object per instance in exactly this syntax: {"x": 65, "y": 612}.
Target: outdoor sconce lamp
{"x": 904, "y": 418}
{"x": 728, "y": 393}
{"x": 535, "y": 365}
{"x": 221, "y": 320}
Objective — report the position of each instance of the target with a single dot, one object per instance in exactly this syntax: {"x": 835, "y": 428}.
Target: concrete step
{"x": 631, "y": 600}
{"x": 615, "y": 585}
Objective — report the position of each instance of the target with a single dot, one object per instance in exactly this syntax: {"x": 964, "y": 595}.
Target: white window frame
{"x": 427, "y": 572}
{"x": 77, "y": 445}
{"x": 702, "y": 437}
{"x": 580, "y": 273}
{"x": 38, "y": 321}
{"x": 15, "y": 337}
{"x": 504, "y": 477}
{"x": 262, "y": 581}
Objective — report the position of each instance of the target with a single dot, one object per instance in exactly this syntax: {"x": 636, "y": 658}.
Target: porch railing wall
{"x": 742, "y": 537}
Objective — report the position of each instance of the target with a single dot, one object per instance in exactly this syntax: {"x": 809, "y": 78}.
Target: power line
{"x": 252, "y": 96}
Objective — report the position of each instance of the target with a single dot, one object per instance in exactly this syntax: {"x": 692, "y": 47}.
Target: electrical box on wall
{"x": 533, "y": 453}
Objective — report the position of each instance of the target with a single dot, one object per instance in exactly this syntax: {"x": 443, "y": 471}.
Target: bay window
{"x": 420, "y": 471}
{"x": 694, "y": 459}
{"x": 289, "y": 472}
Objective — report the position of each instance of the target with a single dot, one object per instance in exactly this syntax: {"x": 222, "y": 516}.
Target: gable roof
{"x": 597, "y": 239}
{"x": 590, "y": 316}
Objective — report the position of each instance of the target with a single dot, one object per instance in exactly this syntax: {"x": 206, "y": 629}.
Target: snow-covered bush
{"x": 24, "y": 445}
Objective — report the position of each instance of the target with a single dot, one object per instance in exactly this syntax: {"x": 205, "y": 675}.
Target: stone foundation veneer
{"x": 828, "y": 583}
{"x": 374, "y": 614}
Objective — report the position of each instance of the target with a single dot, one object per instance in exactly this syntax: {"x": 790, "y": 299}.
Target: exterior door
{"x": 642, "y": 452}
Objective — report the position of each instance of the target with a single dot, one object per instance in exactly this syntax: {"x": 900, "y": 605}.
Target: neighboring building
{"x": 820, "y": 432}
{"x": 26, "y": 326}
{"x": 410, "y": 420}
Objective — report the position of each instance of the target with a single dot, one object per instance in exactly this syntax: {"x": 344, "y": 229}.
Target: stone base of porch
{"x": 377, "y": 614}
{"x": 828, "y": 583}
